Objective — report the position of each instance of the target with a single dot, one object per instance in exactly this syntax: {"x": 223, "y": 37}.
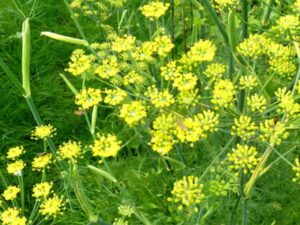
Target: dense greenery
{"x": 144, "y": 127}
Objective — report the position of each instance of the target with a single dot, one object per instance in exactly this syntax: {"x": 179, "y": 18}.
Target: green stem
{"x": 267, "y": 12}
{"x": 245, "y": 19}
{"x": 26, "y": 57}
{"x": 245, "y": 213}
{"x": 93, "y": 121}
{"x": 21, "y": 183}
{"x": 11, "y": 76}
{"x": 80, "y": 194}
{"x": 214, "y": 16}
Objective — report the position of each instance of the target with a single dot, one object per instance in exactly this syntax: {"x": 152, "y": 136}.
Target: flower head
{"x": 187, "y": 192}
{"x": 11, "y": 193}
{"x": 215, "y": 71}
{"x": 42, "y": 190}
{"x": 223, "y": 93}
{"x": 11, "y": 217}
{"x": 16, "y": 167}
{"x": 80, "y": 62}
{"x": 273, "y": 132}
{"x": 256, "y": 103}
{"x": 244, "y": 127}
{"x": 115, "y": 96}
{"x": 296, "y": 168}
{"x": 43, "y": 132}
{"x": 52, "y": 206}
{"x": 15, "y": 152}
{"x": 106, "y": 146}
{"x": 154, "y": 9}
{"x": 88, "y": 98}
{"x": 41, "y": 162}
{"x": 133, "y": 112}
{"x": 69, "y": 150}
{"x": 160, "y": 98}
{"x": 243, "y": 157}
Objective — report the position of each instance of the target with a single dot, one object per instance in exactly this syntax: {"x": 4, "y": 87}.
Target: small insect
{"x": 78, "y": 112}
{"x": 181, "y": 124}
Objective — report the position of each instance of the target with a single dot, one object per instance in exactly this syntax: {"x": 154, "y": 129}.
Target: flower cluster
{"x": 43, "y": 131}
{"x": 244, "y": 158}
{"x": 106, "y": 146}
{"x": 188, "y": 192}
{"x": 70, "y": 150}
{"x": 11, "y": 216}
{"x": 154, "y": 10}
{"x": 244, "y": 127}
{"x": 273, "y": 132}
{"x": 296, "y": 168}
{"x": 88, "y": 98}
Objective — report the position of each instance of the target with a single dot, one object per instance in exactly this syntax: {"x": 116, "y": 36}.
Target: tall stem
{"x": 245, "y": 19}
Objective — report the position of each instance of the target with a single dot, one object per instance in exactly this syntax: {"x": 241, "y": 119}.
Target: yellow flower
{"x": 80, "y": 62}
{"x": 43, "y": 132}
{"x": 273, "y": 132}
{"x": 189, "y": 130}
{"x": 226, "y": 3}
{"x": 254, "y": 46}
{"x": 11, "y": 192}
{"x": 185, "y": 82}
{"x": 215, "y": 71}
{"x": 88, "y": 98}
{"x": 248, "y": 82}
{"x": 296, "y": 6}
{"x": 257, "y": 103}
{"x": 162, "y": 135}
{"x": 285, "y": 68}
{"x": 126, "y": 210}
{"x": 144, "y": 53}
{"x": 106, "y": 146}
{"x": 160, "y": 99}
{"x": 170, "y": 71}
{"x": 42, "y": 190}
{"x": 287, "y": 103}
{"x": 70, "y": 150}
{"x": 123, "y": 44}
{"x": 189, "y": 97}
{"x": 133, "y": 78}
{"x": 109, "y": 68}
{"x": 41, "y": 162}
{"x": 209, "y": 120}
{"x": 15, "y": 152}
{"x": 288, "y": 23}
{"x": 244, "y": 127}
{"x": 133, "y": 112}
{"x": 115, "y": 97}
{"x": 187, "y": 192}
{"x": 243, "y": 157}
{"x": 16, "y": 167}
{"x": 163, "y": 45}
{"x": 223, "y": 93}
{"x": 162, "y": 142}
{"x": 11, "y": 217}
{"x": 154, "y": 10}
{"x": 201, "y": 51}
{"x": 296, "y": 168}
{"x": 52, "y": 206}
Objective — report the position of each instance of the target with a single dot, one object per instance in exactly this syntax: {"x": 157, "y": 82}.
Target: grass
{"x": 145, "y": 180}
